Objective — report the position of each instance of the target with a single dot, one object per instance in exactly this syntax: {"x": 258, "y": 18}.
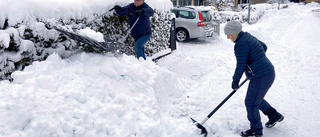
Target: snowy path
{"x": 292, "y": 36}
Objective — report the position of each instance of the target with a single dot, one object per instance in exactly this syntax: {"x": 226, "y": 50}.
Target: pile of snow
{"x": 98, "y": 36}
{"x": 91, "y": 95}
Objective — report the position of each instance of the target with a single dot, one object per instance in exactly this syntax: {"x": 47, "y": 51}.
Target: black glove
{"x": 117, "y": 8}
{"x": 235, "y": 84}
{"x": 139, "y": 12}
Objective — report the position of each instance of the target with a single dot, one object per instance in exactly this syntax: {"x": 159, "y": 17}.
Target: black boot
{"x": 250, "y": 133}
{"x": 273, "y": 119}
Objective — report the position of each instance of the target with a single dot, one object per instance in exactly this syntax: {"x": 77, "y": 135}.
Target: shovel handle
{"x": 125, "y": 37}
{"x": 224, "y": 101}
{"x": 99, "y": 16}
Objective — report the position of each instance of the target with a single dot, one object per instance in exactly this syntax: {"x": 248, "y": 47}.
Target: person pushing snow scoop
{"x": 251, "y": 60}
{"x": 138, "y": 12}
{"x": 107, "y": 44}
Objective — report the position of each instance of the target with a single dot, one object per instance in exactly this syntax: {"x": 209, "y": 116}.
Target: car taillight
{"x": 201, "y": 22}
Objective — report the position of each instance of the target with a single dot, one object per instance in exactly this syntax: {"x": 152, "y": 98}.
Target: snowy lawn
{"x": 101, "y": 95}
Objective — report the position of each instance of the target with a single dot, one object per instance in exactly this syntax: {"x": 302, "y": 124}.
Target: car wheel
{"x": 182, "y": 35}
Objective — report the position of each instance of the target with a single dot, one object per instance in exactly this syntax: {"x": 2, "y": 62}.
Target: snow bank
{"x": 92, "y": 95}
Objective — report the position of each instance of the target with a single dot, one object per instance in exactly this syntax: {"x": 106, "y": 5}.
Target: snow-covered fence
{"x": 216, "y": 26}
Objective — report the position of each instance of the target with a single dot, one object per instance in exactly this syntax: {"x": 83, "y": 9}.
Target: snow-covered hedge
{"x": 115, "y": 27}
{"x": 26, "y": 34}
{"x": 24, "y": 43}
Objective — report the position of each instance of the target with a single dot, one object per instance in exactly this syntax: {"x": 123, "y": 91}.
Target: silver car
{"x": 192, "y": 22}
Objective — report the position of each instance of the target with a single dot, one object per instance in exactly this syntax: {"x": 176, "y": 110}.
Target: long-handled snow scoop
{"x": 85, "y": 25}
{"x": 125, "y": 37}
{"x": 99, "y": 17}
{"x": 200, "y": 125}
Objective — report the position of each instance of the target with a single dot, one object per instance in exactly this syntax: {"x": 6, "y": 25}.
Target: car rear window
{"x": 186, "y": 14}
{"x": 206, "y": 15}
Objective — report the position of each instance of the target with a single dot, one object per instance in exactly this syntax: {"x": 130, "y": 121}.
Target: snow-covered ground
{"x": 101, "y": 95}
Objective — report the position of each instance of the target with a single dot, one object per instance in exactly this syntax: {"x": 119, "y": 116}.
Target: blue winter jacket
{"x": 250, "y": 54}
{"x": 143, "y": 25}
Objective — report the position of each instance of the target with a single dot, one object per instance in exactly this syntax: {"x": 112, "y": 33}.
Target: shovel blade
{"x": 203, "y": 129}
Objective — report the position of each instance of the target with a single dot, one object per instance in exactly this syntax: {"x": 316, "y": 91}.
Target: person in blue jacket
{"x": 251, "y": 59}
{"x": 141, "y": 32}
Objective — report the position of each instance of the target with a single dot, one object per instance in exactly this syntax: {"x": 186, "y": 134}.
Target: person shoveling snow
{"x": 139, "y": 13}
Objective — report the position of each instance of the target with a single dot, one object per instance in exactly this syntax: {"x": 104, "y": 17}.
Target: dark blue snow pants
{"x": 254, "y": 101}
{"x": 139, "y": 46}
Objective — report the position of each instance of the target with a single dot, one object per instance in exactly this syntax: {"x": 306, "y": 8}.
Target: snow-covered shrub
{"x": 15, "y": 52}
{"x": 257, "y": 10}
{"x": 160, "y": 25}
{"x": 115, "y": 27}
{"x": 34, "y": 39}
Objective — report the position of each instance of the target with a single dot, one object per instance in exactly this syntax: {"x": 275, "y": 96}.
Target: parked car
{"x": 192, "y": 22}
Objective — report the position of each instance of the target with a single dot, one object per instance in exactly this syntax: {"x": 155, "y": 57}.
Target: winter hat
{"x": 232, "y": 27}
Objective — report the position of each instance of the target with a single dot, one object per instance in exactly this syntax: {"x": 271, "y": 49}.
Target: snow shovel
{"x": 125, "y": 37}
{"x": 200, "y": 125}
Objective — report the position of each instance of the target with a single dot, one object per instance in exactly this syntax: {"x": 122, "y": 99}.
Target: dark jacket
{"x": 143, "y": 25}
{"x": 250, "y": 54}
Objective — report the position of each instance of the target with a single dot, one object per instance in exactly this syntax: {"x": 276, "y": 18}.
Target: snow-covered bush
{"x": 26, "y": 34}
{"x": 257, "y": 10}
{"x": 24, "y": 43}
{"x": 115, "y": 27}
